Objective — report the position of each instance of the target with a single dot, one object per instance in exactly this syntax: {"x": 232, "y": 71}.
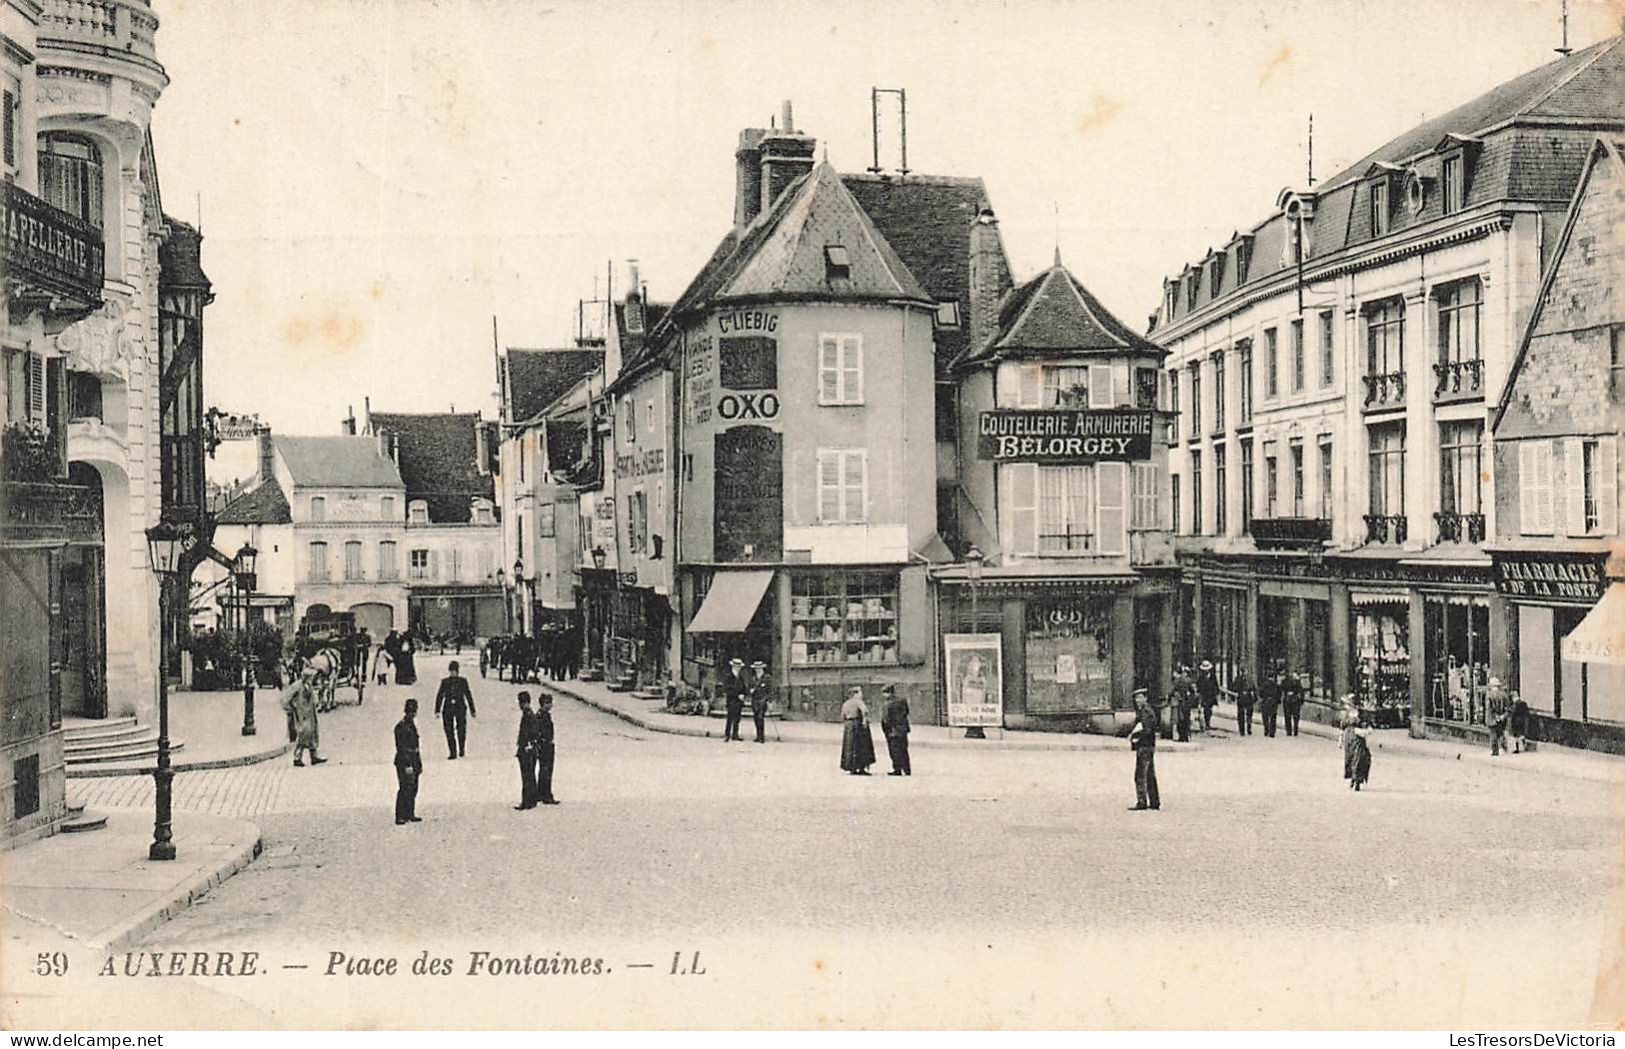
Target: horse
{"x": 329, "y": 667}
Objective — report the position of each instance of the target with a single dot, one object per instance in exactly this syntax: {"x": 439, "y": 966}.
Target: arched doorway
{"x": 84, "y": 611}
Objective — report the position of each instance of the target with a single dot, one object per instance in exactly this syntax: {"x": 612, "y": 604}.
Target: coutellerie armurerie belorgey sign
{"x": 1061, "y": 436}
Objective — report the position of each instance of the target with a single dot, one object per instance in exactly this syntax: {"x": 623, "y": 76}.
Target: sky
{"x": 377, "y": 179}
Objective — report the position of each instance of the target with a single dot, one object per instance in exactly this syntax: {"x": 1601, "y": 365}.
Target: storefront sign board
{"x": 1087, "y": 436}
{"x": 1556, "y": 577}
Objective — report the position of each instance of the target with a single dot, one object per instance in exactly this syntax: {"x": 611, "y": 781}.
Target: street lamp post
{"x": 507, "y": 601}
{"x": 519, "y": 589}
{"x": 164, "y": 546}
{"x": 242, "y": 568}
{"x": 973, "y": 571}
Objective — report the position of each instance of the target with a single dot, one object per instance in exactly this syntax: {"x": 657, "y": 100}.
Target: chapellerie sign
{"x": 1111, "y": 434}
{"x": 50, "y": 246}
{"x": 1560, "y": 577}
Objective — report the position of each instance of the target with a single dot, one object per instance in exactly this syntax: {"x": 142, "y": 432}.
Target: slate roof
{"x": 537, "y": 378}
{"x": 438, "y": 457}
{"x": 180, "y": 255}
{"x": 639, "y": 348}
{"x": 1054, "y": 314}
{"x": 337, "y": 462}
{"x": 927, "y": 220}
{"x": 264, "y": 504}
{"x": 1523, "y": 144}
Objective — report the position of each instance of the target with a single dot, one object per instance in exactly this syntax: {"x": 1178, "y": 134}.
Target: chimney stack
{"x": 348, "y": 424}
{"x": 266, "y": 465}
{"x": 748, "y": 176}
{"x": 634, "y": 299}
{"x": 989, "y": 277}
{"x": 786, "y": 154}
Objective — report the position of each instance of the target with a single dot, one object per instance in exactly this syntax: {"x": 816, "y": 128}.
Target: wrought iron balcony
{"x": 1382, "y": 528}
{"x": 1459, "y": 379}
{"x": 1286, "y": 533}
{"x": 34, "y": 454}
{"x": 1384, "y": 390}
{"x": 1460, "y": 528}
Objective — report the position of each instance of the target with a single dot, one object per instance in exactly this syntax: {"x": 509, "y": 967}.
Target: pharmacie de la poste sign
{"x": 1065, "y": 436}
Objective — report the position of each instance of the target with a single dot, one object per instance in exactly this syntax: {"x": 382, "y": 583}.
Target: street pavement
{"x": 990, "y": 889}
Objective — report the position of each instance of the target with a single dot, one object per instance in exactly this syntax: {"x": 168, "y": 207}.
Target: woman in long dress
{"x": 406, "y": 663}
{"x": 1361, "y": 763}
{"x": 857, "y": 742}
{"x": 1349, "y": 718}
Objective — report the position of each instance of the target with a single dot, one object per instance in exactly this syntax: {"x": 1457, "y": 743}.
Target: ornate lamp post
{"x": 973, "y": 571}
{"x": 165, "y": 544}
{"x": 242, "y": 568}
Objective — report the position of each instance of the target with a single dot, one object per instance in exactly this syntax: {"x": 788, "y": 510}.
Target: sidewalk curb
{"x": 915, "y": 740}
{"x": 123, "y": 934}
{"x": 1440, "y": 749}
{"x": 91, "y": 772}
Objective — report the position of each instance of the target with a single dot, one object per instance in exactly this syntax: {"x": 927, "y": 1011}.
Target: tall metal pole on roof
{"x": 902, "y": 103}
{"x": 496, "y": 360}
{"x": 874, "y": 126}
{"x": 1311, "y": 150}
{"x": 874, "y": 123}
{"x": 1565, "y": 49}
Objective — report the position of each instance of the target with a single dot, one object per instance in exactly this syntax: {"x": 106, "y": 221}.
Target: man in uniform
{"x": 760, "y": 688}
{"x": 1292, "y": 702}
{"x": 1241, "y": 686}
{"x": 1184, "y": 690}
{"x": 1269, "y": 699}
{"x": 734, "y": 687}
{"x": 525, "y": 751}
{"x": 455, "y": 705}
{"x": 544, "y": 750}
{"x": 894, "y": 723}
{"x": 1143, "y": 738}
{"x": 1498, "y": 708}
{"x": 408, "y": 766}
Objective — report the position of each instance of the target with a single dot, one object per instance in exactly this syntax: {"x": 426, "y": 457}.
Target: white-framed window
{"x": 318, "y": 508}
{"x": 352, "y": 560}
{"x": 1064, "y": 510}
{"x": 840, "y": 369}
{"x": 483, "y": 514}
{"x": 318, "y": 562}
{"x": 418, "y": 565}
{"x": 1064, "y": 386}
{"x": 1379, "y": 207}
{"x": 843, "y": 485}
{"x": 386, "y": 508}
{"x": 1592, "y": 473}
{"x": 70, "y": 175}
{"x": 388, "y": 560}
{"x": 1147, "y": 497}
{"x": 417, "y": 512}
{"x": 1450, "y": 184}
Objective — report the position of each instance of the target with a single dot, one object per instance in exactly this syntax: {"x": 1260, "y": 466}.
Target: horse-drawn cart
{"x": 331, "y": 646}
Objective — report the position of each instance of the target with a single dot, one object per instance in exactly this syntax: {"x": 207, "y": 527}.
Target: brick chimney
{"x": 989, "y": 277}
{"x": 748, "y": 176}
{"x": 787, "y": 154}
{"x": 634, "y": 299}
{"x": 347, "y": 424}
{"x": 265, "y": 467}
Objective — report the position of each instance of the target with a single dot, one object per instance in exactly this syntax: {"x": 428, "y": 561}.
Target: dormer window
{"x": 1244, "y": 257}
{"x": 1450, "y": 184}
{"x": 1215, "y": 273}
{"x": 1379, "y": 207}
{"x": 417, "y": 512}
{"x": 948, "y": 314}
{"x": 482, "y": 512}
{"x": 1170, "y": 298}
{"x": 837, "y": 264}
{"x": 1193, "y": 287}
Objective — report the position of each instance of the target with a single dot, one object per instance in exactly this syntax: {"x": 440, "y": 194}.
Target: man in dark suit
{"x": 1143, "y": 738}
{"x": 1241, "y": 686}
{"x": 544, "y": 750}
{"x": 894, "y": 724}
{"x": 455, "y": 705}
{"x": 735, "y": 686}
{"x": 525, "y": 751}
{"x": 1269, "y": 698}
{"x": 761, "y": 687}
{"x": 408, "y": 766}
{"x": 1207, "y": 693}
{"x": 1184, "y": 690}
{"x": 1292, "y": 702}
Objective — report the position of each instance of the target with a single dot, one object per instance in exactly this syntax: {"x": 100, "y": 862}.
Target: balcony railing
{"x": 1382, "y": 528}
{"x": 1460, "y": 528}
{"x": 1459, "y": 379}
{"x": 1282, "y": 533}
{"x": 1384, "y": 390}
{"x": 124, "y": 26}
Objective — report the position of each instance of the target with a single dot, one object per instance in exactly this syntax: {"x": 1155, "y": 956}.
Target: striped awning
{"x": 1600, "y": 637}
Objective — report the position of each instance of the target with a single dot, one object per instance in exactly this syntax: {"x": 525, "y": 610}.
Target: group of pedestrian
{"x": 454, "y": 704}
{"x": 1192, "y": 690}
{"x": 1280, "y": 691}
{"x": 857, "y": 738}
{"x": 739, "y": 685}
{"x": 400, "y": 652}
{"x": 1507, "y": 716}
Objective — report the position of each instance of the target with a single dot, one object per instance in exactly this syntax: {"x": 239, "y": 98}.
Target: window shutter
{"x": 852, "y": 370}
{"x": 1607, "y": 486}
{"x": 1536, "y": 482}
{"x": 1113, "y": 482}
{"x": 35, "y": 365}
{"x": 10, "y": 130}
{"x": 434, "y": 564}
{"x": 1100, "y": 386}
{"x": 829, "y": 486}
{"x": 1120, "y": 384}
{"x": 1574, "y": 486}
{"x": 855, "y": 487}
{"x": 1030, "y": 393}
{"x": 1021, "y": 497}
{"x": 1526, "y": 487}
{"x": 829, "y": 370}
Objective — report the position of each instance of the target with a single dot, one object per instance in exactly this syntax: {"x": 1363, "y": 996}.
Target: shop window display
{"x": 1069, "y": 655}
{"x": 1382, "y": 660}
{"x": 1458, "y": 657}
{"x": 843, "y": 617}
{"x": 1293, "y": 638}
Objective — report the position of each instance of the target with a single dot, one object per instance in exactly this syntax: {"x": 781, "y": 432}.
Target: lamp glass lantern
{"x": 165, "y": 545}
{"x": 243, "y": 565}
{"x": 518, "y": 569}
